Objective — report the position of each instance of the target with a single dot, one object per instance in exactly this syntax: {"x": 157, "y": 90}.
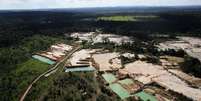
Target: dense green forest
{"x": 71, "y": 87}
{"x": 194, "y": 64}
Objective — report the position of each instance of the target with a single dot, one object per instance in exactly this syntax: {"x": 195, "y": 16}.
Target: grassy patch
{"x": 32, "y": 65}
{"x": 127, "y": 18}
{"x": 173, "y": 59}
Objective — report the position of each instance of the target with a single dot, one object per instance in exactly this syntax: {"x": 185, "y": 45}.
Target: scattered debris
{"x": 147, "y": 73}
{"x": 128, "y": 55}
{"x": 100, "y": 38}
{"x": 80, "y": 58}
{"x": 130, "y": 85}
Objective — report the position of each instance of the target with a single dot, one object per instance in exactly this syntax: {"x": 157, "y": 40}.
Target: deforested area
{"x": 148, "y": 53}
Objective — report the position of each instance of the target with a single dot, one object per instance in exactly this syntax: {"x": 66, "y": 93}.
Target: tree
{"x": 191, "y": 65}
{"x": 105, "y": 40}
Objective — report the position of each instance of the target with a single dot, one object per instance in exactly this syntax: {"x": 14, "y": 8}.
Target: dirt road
{"x": 49, "y": 71}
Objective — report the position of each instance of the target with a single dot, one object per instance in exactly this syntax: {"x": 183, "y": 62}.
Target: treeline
{"x": 173, "y": 24}
{"x": 51, "y": 22}
{"x": 192, "y": 66}
{"x": 15, "y": 26}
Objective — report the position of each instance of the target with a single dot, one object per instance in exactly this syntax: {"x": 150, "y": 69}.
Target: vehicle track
{"x": 48, "y": 71}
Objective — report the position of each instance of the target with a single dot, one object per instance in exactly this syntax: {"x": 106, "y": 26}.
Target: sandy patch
{"x": 79, "y": 55}
{"x": 107, "y": 61}
{"x": 191, "y": 45}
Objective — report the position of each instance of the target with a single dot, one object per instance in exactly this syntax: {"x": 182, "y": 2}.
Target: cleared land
{"x": 191, "y": 45}
{"x": 101, "y": 38}
{"x": 79, "y": 55}
{"x": 102, "y": 60}
{"x": 191, "y": 79}
{"x": 147, "y": 73}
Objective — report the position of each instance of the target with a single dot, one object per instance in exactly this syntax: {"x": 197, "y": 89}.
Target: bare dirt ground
{"x": 147, "y": 72}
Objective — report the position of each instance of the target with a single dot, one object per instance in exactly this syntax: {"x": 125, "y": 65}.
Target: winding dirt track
{"x": 51, "y": 69}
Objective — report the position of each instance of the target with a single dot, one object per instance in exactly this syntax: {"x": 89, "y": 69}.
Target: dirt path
{"x": 47, "y": 73}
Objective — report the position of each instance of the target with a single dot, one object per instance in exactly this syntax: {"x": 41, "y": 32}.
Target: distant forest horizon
{"x": 117, "y": 9}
